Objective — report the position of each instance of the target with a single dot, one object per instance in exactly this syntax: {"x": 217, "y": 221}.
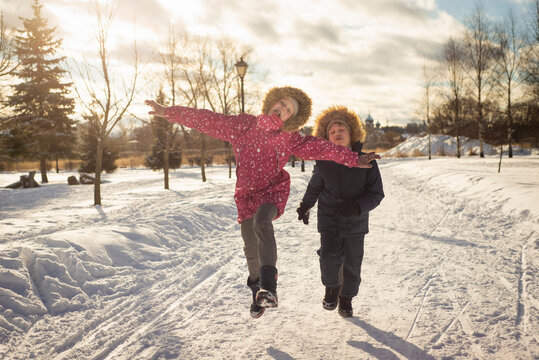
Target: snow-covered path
{"x": 449, "y": 271}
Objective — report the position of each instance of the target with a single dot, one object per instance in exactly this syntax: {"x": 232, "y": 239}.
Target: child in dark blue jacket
{"x": 345, "y": 197}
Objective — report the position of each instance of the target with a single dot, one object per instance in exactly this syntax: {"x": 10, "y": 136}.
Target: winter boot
{"x": 345, "y": 306}
{"x": 267, "y": 295}
{"x": 256, "y": 311}
{"x": 332, "y": 298}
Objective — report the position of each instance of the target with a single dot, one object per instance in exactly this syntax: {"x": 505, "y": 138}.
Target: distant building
{"x": 369, "y": 122}
{"x": 375, "y": 136}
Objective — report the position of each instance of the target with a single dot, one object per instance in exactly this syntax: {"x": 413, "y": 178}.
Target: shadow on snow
{"x": 397, "y": 344}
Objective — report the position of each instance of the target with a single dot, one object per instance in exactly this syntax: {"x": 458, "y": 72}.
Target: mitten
{"x": 303, "y": 213}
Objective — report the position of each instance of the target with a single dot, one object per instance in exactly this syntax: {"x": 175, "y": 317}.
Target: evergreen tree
{"x": 40, "y": 103}
{"x": 88, "y": 153}
{"x": 161, "y": 127}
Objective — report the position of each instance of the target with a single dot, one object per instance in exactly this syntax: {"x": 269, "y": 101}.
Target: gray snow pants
{"x": 340, "y": 261}
{"x": 259, "y": 241}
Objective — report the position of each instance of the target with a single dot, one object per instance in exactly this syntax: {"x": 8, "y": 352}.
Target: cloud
{"x": 315, "y": 33}
{"x": 263, "y": 29}
{"x": 363, "y": 54}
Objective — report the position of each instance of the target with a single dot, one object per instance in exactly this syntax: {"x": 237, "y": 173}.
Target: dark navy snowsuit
{"x": 342, "y": 237}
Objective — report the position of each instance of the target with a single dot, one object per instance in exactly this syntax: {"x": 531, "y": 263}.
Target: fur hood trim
{"x": 295, "y": 122}
{"x": 357, "y": 131}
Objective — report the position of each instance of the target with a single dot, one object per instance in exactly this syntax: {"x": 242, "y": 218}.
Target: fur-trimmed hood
{"x": 357, "y": 131}
{"x": 295, "y": 122}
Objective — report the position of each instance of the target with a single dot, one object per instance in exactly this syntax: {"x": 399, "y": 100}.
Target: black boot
{"x": 267, "y": 295}
{"x": 332, "y": 298}
{"x": 256, "y": 311}
{"x": 345, "y": 306}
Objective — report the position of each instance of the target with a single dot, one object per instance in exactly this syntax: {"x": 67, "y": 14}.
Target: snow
{"x": 449, "y": 272}
{"x": 446, "y": 145}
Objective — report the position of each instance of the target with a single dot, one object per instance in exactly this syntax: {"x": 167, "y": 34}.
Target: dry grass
{"x": 63, "y": 164}
{"x": 417, "y": 153}
{"x": 377, "y": 150}
{"x": 400, "y": 154}
{"x": 131, "y": 162}
{"x": 123, "y": 162}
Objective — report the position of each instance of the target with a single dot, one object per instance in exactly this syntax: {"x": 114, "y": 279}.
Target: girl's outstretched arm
{"x": 224, "y": 127}
{"x": 314, "y": 148}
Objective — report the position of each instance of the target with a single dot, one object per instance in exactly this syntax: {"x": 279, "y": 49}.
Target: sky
{"x": 366, "y": 55}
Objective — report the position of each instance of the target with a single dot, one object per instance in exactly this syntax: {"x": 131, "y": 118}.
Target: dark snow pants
{"x": 259, "y": 241}
{"x": 340, "y": 261}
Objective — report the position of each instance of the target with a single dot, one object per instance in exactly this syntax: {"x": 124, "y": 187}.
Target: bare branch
{"x": 8, "y": 61}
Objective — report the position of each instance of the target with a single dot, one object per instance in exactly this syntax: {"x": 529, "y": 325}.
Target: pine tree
{"x": 40, "y": 103}
{"x": 88, "y": 154}
{"x": 161, "y": 129}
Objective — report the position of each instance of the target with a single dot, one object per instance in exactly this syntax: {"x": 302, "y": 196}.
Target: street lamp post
{"x": 241, "y": 68}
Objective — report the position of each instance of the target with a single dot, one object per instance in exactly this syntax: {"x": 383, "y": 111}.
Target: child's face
{"x": 284, "y": 108}
{"x": 339, "y": 135}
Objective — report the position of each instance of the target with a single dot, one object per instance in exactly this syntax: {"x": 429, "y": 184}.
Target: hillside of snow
{"x": 446, "y": 145}
{"x": 450, "y": 269}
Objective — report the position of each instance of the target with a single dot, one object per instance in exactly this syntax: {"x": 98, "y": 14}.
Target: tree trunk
{"x": 203, "y": 157}
{"x": 57, "y": 167}
{"x": 481, "y": 125}
{"x": 302, "y": 165}
{"x": 428, "y": 124}
{"x": 166, "y": 158}
{"x": 98, "y": 167}
{"x": 457, "y": 123}
{"x": 501, "y": 154}
{"x": 510, "y": 122}
{"x": 43, "y": 167}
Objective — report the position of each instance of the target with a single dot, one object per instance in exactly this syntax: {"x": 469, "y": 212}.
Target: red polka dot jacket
{"x": 262, "y": 150}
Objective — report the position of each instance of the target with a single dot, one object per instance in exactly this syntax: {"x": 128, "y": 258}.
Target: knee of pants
{"x": 331, "y": 253}
{"x": 330, "y": 256}
{"x": 250, "y": 252}
{"x": 262, "y": 225}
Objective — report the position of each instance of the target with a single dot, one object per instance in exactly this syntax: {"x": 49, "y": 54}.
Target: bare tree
{"x": 531, "y": 69}
{"x": 481, "y": 60}
{"x": 222, "y": 84}
{"x": 192, "y": 76}
{"x": 104, "y": 99}
{"x": 171, "y": 64}
{"x": 204, "y": 76}
{"x": 454, "y": 76}
{"x": 511, "y": 60}
{"x": 534, "y": 20}
{"x": 428, "y": 82}
{"x": 8, "y": 60}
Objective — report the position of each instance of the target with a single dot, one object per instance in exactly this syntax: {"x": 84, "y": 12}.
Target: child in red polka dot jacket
{"x": 262, "y": 145}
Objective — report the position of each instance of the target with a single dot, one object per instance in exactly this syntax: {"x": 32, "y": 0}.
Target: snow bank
{"x": 513, "y": 190}
{"x": 46, "y": 269}
{"x": 445, "y": 145}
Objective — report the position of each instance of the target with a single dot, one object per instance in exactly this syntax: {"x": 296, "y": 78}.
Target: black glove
{"x": 347, "y": 208}
{"x": 303, "y": 213}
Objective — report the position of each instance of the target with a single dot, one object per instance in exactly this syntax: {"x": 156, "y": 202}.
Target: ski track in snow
{"x": 445, "y": 276}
